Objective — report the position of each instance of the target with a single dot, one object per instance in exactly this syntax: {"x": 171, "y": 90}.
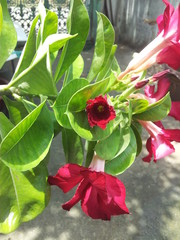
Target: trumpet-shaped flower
{"x": 99, "y": 112}
{"x": 101, "y": 194}
{"x": 159, "y": 144}
{"x": 158, "y": 50}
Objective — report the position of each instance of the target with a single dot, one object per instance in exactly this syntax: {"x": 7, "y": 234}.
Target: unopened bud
{"x": 141, "y": 83}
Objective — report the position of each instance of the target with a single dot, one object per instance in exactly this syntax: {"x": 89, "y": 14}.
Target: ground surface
{"x": 153, "y": 198}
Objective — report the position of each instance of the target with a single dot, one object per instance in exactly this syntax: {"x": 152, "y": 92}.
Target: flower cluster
{"x": 100, "y": 117}
{"x": 101, "y": 194}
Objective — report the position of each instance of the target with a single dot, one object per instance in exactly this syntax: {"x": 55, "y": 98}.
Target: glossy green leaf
{"x": 77, "y": 23}
{"x": 8, "y": 36}
{"x": 75, "y": 70}
{"x": 124, "y": 139}
{"x": 27, "y": 144}
{"x": 16, "y": 110}
{"x": 123, "y": 161}
{"x": 5, "y": 125}
{"x": 139, "y": 105}
{"x": 23, "y": 195}
{"x": 107, "y": 148}
{"x": 156, "y": 111}
{"x": 72, "y": 146}
{"x": 99, "y": 50}
{"x": 50, "y": 25}
{"x": 37, "y": 78}
{"x": 138, "y": 139}
{"x": 79, "y": 99}
{"x": 106, "y": 71}
{"x": 60, "y": 105}
{"x": 29, "y": 50}
{"x": 105, "y": 37}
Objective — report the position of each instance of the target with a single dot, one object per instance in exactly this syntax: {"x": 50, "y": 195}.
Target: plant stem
{"x": 4, "y": 90}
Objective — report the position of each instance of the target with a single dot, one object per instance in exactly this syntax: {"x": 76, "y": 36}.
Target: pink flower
{"x": 159, "y": 144}
{"x": 99, "y": 112}
{"x": 162, "y": 89}
{"x": 158, "y": 50}
{"x": 101, "y": 194}
{"x": 170, "y": 55}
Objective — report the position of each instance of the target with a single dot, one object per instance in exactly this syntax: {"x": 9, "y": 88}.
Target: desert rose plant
{"x": 99, "y": 117}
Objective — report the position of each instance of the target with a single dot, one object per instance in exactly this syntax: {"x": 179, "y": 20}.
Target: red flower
{"x": 101, "y": 194}
{"x": 99, "y": 112}
{"x": 159, "y": 144}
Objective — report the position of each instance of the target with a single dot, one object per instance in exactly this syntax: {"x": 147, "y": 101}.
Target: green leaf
{"x": 80, "y": 98}
{"x": 8, "y": 36}
{"x": 29, "y": 50}
{"x": 17, "y": 111}
{"x": 75, "y": 70}
{"x": 138, "y": 139}
{"x": 106, "y": 71}
{"x": 73, "y": 147}
{"x": 77, "y": 23}
{"x": 37, "y": 78}
{"x": 23, "y": 195}
{"x": 5, "y": 125}
{"x": 124, "y": 141}
{"x": 27, "y": 144}
{"x": 107, "y": 148}
{"x": 60, "y": 105}
{"x": 50, "y": 25}
{"x": 1, "y": 19}
{"x": 105, "y": 37}
{"x": 156, "y": 111}
{"x": 139, "y": 105}
{"x": 123, "y": 161}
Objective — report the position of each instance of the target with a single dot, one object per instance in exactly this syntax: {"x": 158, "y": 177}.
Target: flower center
{"x": 100, "y": 108}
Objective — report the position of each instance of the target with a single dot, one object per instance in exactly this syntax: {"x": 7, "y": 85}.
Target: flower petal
{"x": 67, "y": 177}
{"x": 175, "y": 110}
{"x": 161, "y": 147}
{"x": 105, "y": 197}
{"x": 149, "y": 149}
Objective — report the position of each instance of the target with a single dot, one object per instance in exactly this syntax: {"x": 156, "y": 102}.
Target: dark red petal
{"x": 97, "y": 117}
{"x": 105, "y": 197}
{"x": 67, "y": 177}
{"x": 92, "y": 204}
{"x": 77, "y": 196}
